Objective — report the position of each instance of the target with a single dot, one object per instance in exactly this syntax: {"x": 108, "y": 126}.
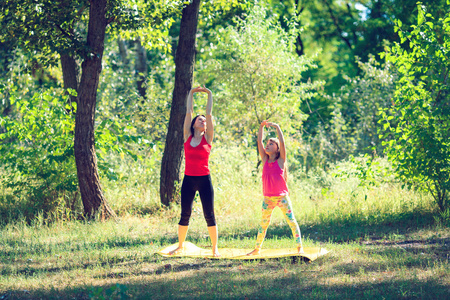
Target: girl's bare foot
{"x": 300, "y": 250}
{"x": 254, "y": 252}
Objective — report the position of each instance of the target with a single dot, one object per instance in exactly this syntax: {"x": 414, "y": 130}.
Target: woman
{"x": 198, "y": 137}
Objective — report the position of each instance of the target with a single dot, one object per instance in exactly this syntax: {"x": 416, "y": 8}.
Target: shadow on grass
{"x": 23, "y": 248}
{"x": 226, "y": 283}
{"x": 348, "y": 230}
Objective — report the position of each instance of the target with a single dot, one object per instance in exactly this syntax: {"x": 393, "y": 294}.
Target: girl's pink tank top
{"x": 273, "y": 180}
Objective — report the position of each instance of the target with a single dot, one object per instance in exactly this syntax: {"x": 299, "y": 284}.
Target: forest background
{"x": 344, "y": 80}
{"x": 92, "y": 94}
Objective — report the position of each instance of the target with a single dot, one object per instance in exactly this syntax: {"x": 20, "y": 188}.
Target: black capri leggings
{"x": 190, "y": 185}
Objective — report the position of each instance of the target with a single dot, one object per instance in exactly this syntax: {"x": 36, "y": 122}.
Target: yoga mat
{"x": 191, "y": 250}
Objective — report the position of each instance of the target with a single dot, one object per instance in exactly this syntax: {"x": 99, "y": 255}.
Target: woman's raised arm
{"x": 189, "y": 112}
{"x": 209, "y": 119}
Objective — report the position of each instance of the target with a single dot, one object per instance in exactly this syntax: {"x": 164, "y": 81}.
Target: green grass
{"x": 385, "y": 242}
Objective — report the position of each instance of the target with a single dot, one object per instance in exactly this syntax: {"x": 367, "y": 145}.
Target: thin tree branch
{"x": 336, "y": 23}
{"x": 349, "y": 11}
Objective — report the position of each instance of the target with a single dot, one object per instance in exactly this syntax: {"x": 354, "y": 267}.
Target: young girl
{"x": 275, "y": 190}
{"x": 198, "y": 137}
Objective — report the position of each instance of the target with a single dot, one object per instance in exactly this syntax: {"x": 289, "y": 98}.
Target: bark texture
{"x": 141, "y": 68}
{"x": 70, "y": 73}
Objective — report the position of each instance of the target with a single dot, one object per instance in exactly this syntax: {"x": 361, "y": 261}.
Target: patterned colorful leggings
{"x": 268, "y": 205}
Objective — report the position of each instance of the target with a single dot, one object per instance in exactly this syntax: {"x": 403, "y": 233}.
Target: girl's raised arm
{"x": 261, "y": 150}
{"x": 281, "y": 139}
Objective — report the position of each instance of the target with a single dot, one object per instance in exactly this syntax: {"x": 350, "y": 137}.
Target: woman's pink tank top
{"x": 273, "y": 180}
{"x": 196, "y": 158}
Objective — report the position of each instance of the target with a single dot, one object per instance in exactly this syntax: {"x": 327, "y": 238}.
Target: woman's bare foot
{"x": 254, "y": 252}
{"x": 216, "y": 253}
{"x": 176, "y": 251}
{"x": 300, "y": 250}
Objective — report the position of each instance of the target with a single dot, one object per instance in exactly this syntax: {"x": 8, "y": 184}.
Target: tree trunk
{"x": 123, "y": 51}
{"x": 299, "y": 47}
{"x": 70, "y": 73}
{"x": 86, "y": 160}
{"x": 184, "y": 68}
{"x": 141, "y": 68}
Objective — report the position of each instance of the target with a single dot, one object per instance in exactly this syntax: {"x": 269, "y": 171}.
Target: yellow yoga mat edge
{"x": 191, "y": 250}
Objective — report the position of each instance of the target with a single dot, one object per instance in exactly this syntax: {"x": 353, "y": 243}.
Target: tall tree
{"x": 184, "y": 62}
{"x": 49, "y": 27}
{"x": 72, "y": 31}
{"x": 84, "y": 142}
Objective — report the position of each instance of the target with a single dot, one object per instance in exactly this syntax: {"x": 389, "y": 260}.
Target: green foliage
{"x": 36, "y": 151}
{"x": 138, "y": 124}
{"x": 346, "y": 32}
{"x": 43, "y": 27}
{"x": 420, "y": 149}
{"x": 362, "y": 170}
{"x": 257, "y": 75}
{"x": 353, "y": 126}
{"x": 46, "y": 28}
{"x": 148, "y": 20}
{"x": 37, "y": 155}
{"x": 215, "y": 13}
{"x": 361, "y": 101}
{"x": 118, "y": 98}
{"x": 370, "y": 172}
{"x": 126, "y": 123}
{"x": 252, "y": 68}
{"x": 36, "y": 134}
